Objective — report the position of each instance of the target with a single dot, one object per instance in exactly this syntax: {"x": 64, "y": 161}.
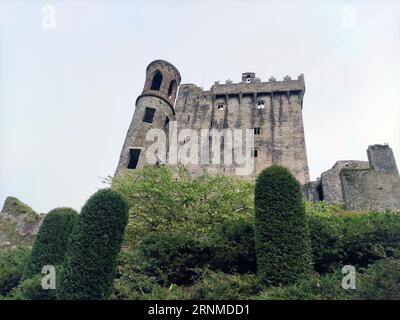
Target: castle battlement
{"x": 253, "y": 84}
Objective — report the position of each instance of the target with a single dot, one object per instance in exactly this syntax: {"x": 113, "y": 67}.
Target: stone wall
{"x": 330, "y": 179}
{"x": 281, "y": 139}
{"x": 312, "y": 191}
{"x": 368, "y": 189}
{"x": 361, "y": 185}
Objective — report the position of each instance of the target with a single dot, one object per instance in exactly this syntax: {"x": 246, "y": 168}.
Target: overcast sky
{"x": 67, "y": 91}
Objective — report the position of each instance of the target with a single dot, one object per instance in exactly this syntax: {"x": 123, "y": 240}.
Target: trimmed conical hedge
{"x": 51, "y": 241}
{"x": 282, "y": 240}
{"x": 91, "y": 259}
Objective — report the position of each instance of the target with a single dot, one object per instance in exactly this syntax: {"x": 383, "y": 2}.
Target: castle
{"x": 272, "y": 112}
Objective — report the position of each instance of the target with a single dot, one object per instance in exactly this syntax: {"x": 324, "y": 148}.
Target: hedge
{"x": 12, "y": 265}
{"x": 281, "y": 236}
{"x": 95, "y": 243}
{"x": 51, "y": 241}
{"x": 234, "y": 247}
{"x": 174, "y": 258}
{"x": 356, "y": 238}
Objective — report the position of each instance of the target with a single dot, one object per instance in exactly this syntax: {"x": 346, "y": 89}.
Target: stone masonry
{"x": 361, "y": 185}
{"x": 272, "y": 109}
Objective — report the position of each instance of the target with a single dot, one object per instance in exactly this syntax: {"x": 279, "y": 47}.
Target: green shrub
{"x": 234, "y": 248}
{"x": 222, "y": 286}
{"x": 380, "y": 281}
{"x": 174, "y": 258}
{"x": 93, "y": 249}
{"x": 162, "y": 200}
{"x": 12, "y": 265}
{"x": 132, "y": 284}
{"x": 327, "y": 287}
{"x": 141, "y": 287}
{"x": 51, "y": 241}
{"x": 339, "y": 238}
{"x": 31, "y": 288}
{"x": 281, "y": 235}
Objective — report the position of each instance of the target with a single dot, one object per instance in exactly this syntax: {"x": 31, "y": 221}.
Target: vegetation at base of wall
{"x": 339, "y": 238}
{"x": 221, "y": 286}
{"x": 32, "y": 289}
{"x": 233, "y": 247}
{"x": 93, "y": 248}
{"x": 51, "y": 241}
{"x": 174, "y": 258}
{"x": 315, "y": 287}
{"x": 12, "y": 265}
{"x": 281, "y": 236}
{"x": 163, "y": 200}
{"x": 380, "y": 281}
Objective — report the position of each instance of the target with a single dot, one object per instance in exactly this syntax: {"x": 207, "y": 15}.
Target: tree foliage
{"x": 163, "y": 200}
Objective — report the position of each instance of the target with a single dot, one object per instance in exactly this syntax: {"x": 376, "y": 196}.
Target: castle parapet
{"x": 253, "y": 84}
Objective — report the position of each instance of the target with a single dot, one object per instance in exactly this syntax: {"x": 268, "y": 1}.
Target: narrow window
{"x": 257, "y": 130}
{"x": 157, "y": 79}
{"x": 133, "y": 158}
{"x": 188, "y": 118}
{"x": 220, "y": 106}
{"x": 254, "y": 153}
{"x": 149, "y": 115}
{"x": 166, "y": 124}
{"x": 260, "y": 105}
{"x": 171, "y": 88}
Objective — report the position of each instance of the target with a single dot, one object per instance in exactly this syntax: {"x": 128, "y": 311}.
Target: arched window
{"x": 171, "y": 89}
{"x": 157, "y": 79}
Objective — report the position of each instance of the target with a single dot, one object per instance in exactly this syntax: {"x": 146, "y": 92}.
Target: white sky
{"x": 67, "y": 95}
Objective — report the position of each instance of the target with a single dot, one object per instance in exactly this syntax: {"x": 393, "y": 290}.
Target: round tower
{"x": 162, "y": 80}
{"x": 154, "y": 109}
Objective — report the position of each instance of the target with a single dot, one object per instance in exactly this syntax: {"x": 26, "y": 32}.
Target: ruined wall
{"x": 381, "y": 158}
{"x": 330, "y": 179}
{"x": 377, "y": 188}
{"x": 312, "y": 191}
{"x": 361, "y": 185}
{"x": 370, "y": 190}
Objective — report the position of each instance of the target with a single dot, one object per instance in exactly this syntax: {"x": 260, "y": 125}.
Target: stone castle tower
{"x": 272, "y": 110}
